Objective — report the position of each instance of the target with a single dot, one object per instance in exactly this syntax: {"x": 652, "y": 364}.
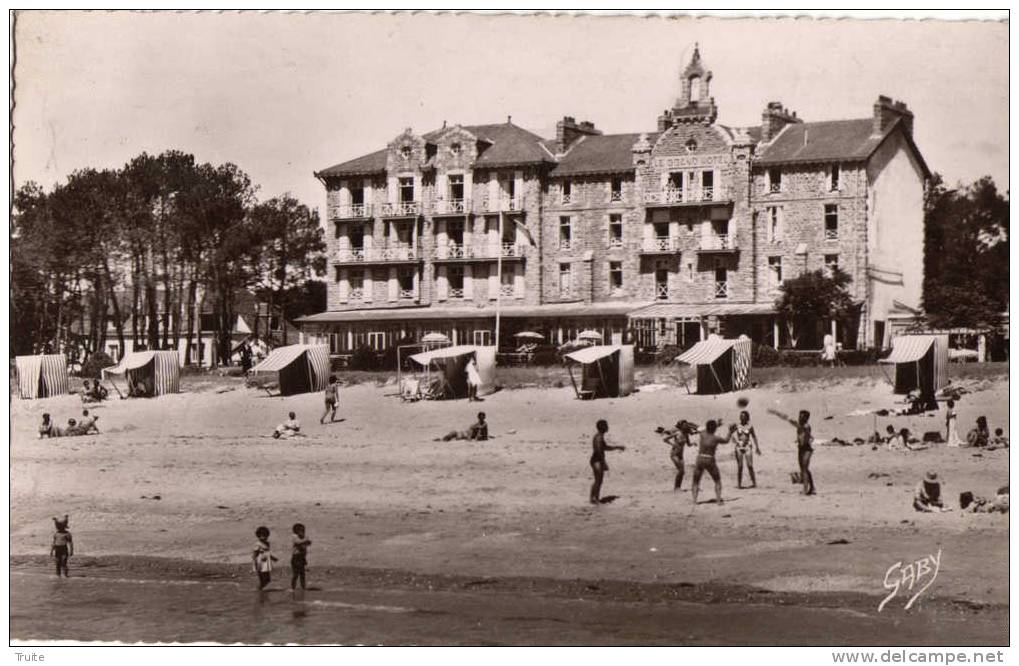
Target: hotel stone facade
{"x": 664, "y": 236}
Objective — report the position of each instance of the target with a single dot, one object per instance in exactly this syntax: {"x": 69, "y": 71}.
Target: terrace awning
{"x": 680, "y": 310}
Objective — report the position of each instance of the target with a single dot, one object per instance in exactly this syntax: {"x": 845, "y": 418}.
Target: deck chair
{"x": 410, "y": 389}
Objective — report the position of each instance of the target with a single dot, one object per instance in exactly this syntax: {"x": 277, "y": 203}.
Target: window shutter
{"x": 368, "y": 286}
{"x": 780, "y": 233}
{"x": 494, "y": 242}
{"x": 368, "y": 192}
{"x": 705, "y": 232}
{"x": 418, "y": 194}
{"x": 441, "y": 237}
{"x": 393, "y": 189}
{"x": 518, "y": 187}
{"x": 415, "y": 284}
{"x": 518, "y": 283}
{"x": 468, "y": 282}
{"x": 394, "y": 285}
{"x": 344, "y": 193}
{"x": 344, "y": 286}
{"x": 441, "y": 284}
{"x": 493, "y": 282}
{"x": 440, "y": 188}
{"x": 493, "y": 191}
{"x": 468, "y": 186}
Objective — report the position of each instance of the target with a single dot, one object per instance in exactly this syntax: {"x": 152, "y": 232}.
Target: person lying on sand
{"x": 477, "y": 431}
{"x": 974, "y": 504}
{"x": 706, "y": 462}
{"x": 927, "y": 496}
{"x": 289, "y": 428}
{"x": 678, "y": 439}
{"x": 999, "y": 441}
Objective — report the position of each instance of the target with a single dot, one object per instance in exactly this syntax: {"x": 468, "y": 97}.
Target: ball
{"x": 742, "y": 402}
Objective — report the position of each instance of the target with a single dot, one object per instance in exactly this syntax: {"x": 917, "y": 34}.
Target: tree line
{"x": 143, "y": 250}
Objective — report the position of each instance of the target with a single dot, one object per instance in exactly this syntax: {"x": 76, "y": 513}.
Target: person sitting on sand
{"x": 598, "y": 464}
{"x": 744, "y": 454}
{"x": 678, "y": 439}
{"x": 999, "y": 441}
{"x": 927, "y": 497}
{"x": 47, "y": 428}
{"x": 898, "y": 441}
{"x": 477, "y": 431}
{"x": 289, "y": 428}
{"x": 87, "y": 426}
{"x": 706, "y": 462}
{"x": 979, "y": 436}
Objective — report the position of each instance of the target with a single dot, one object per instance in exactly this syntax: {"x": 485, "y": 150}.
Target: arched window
{"x": 695, "y": 88}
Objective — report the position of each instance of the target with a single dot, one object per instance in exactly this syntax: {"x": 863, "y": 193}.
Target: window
{"x": 565, "y": 280}
{"x": 406, "y": 189}
{"x": 831, "y": 222}
{"x": 482, "y": 338}
{"x": 405, "y": 152}
{"x": 831, "y": 263}
{"x": 615, "y": 231}
{"x": 338, "y": 272}
{"x": 676, "y": 181}
{"x": 721, "y": 281}
{"x": 405, "y": 280}
{"x": 115, "y": 352}
{"x": 456, "y": 187}
{"x": 334, "y": 343}
{"x": 507, "y": 284}
{"x": 377, "y": 340}
{"x": 773, "y": 220}
{"x": 616, "y": 193}
{"x": 775, "y": 271}
{"x": 774, "y": 180}
{"x": 616, "y": 276}
{"x": 833, "y": 183}
{"x": 454, "y": 149}
{"x": 695, "y": 88}
{"x": 567, "y": 191}
{"x": 707, "y": 185}
{"x": 661, "y": 281}
{"x": 565, "y": 233}
{"x": 356, "y": 279}
{"x": 689, "y": 271}
{"x": 357, "y": 193}
{"x": 455, "y": 275}
{"x": 691, "y": 146}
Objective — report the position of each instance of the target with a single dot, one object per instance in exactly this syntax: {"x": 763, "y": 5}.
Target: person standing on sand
{"x": 262, "y": 558}
{"x": 299, "y": 556}
{"x": 331, "y": 400}
{"x": 804, "y": 447}
{"x": 62, "y": 547}
{"x": 473, "y": 381}
{"x": 678, "y": 438}
{"x": 598, "y": 464}
{"x": 744, "y": 433}
{"x": 952, "y": 426}
{"x": 706, "y": 462}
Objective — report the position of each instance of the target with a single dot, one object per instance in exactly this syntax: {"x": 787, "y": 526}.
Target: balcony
{"x": 568, "y": 199}
{"x": 721, "y": 289}
{"x": 662, "y": 291}
{"x": 480, "y": 252}
{"x": 718, "y": 244}
{"x": 660, "y": 245}
{"x": 456, "y": 293}
{"x": 831, "y": 234}
{"x": 451, "y": 207}
{"x": 616, "y": 197}
{"x": 401, "y": 209}
{"x": 386, "y": 254}
{"x": 506, "y": 290}
{"x": 671, "y": 196}
{"x": 503, "y": 204}
{"x": 353, "y": 212}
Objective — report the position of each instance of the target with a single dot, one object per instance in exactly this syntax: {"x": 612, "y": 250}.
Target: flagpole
{"x": 498, "y": 287}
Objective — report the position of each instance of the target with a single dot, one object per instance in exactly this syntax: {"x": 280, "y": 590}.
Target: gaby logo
{"x": 917, "y": 575}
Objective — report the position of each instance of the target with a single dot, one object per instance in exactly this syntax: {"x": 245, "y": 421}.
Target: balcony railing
{"x": 453, "y": 251}
{"x": 451, "y": 206}
{"x": 406, "y": 294}
{"x": 615, "y": 243}
{"x": 718, "y": 243}
{"x": 456, "y": 293}
{"x": 831, "y": 234}
{"x": 503, "y": 204}
{"x": 506, "y": 290}
{"x": 387, "y": 253}
{"x": 615, "y": 197}
{"x": 721, "y": 290}
{"x": 479, "y": 251}
{"x": 356, "y": 294}
{"x": 662, "y": 291}
{"x": 565, "y": 244}
{"x": 775, "y": 188}
{"x": 568, "y": 199}
{"x": 661, "y": 244}
{"x": 673, "y": 195}
{"x": 354, "y": 212}
{"x": 401, "y": 209}
{"x": 399, "y": 253}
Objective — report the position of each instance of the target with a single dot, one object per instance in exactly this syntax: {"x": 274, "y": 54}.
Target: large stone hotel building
{"x": 665, "y": 235}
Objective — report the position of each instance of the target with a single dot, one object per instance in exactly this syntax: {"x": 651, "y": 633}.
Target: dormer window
{"x": 774, "y": 180}
{"x": 454, "y": 149}
{"x": 695, "y": 88}
{"x": 405, "y": 152}
{"x": 691, "y": 146}
{"x": 834, "y": 178}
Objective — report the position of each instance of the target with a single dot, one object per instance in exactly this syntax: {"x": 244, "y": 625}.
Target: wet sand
{"x": 377, "y": 493}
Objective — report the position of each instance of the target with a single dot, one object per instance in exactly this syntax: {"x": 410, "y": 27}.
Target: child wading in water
{"x": 299, "y": 557}
{"x": 63, "y": 546}
{"x": 598, "y": 464}
{"x": 261, "y": 558}
{"x": 744, "y": 432}
{"x": 804, "y": 447}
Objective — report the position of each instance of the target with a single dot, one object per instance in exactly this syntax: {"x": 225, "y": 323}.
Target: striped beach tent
{"x": 148, "y": 373}
{"x": 722, "y": 365}
{"x": 41, "y": 376}
{"x": 921, "y": 363}
{"x": 606, "y": 371}
{"x": 301, "y": 368}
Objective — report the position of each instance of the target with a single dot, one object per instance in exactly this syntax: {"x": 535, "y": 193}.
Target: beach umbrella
{"x": 589, "y": 335}
{"x": 530, "y": 335}
{"x": 435, "y": 337}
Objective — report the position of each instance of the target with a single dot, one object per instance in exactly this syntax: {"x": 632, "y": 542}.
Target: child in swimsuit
{"x": 62, "y": 547}
{"x": 47, "y": 427}
{"x": 262, "y": 558}
{"x": 299, "y": 556}
{"x": 331, "y": 400}
{"x": 744, "y": 453}
{"x": 598, "y": 464}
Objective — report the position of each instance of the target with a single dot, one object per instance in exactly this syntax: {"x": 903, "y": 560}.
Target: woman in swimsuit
{"x": 744, "y": 453}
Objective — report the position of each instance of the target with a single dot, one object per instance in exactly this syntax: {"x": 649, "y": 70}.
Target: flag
{"x": 527, "y": 232}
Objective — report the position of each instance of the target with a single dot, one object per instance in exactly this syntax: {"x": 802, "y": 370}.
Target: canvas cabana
{"x": 445, "y": 370}
{"x": 722, "y": 365}
{"x": 606, "y": 371}
{"x": 148, "y": 373}
{"x": 921, "y": 363}
{"x": 41, "y": 376}
{"x": 301, "y": 368}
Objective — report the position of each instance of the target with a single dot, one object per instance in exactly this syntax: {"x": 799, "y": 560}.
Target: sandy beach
{"x": 190, "y": 476}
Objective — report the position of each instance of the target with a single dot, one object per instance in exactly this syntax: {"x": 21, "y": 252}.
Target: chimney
{"x": 886, "y": 111}
{"x": 568, "y": 130}
{"x": 774, "y": 118}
